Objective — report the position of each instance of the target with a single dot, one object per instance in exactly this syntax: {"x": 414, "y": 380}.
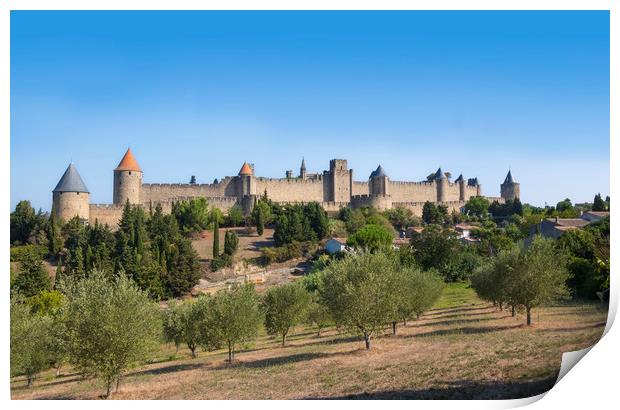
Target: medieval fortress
{"x": 333, "y": 189}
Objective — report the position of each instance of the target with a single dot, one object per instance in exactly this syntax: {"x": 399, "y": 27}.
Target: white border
{"x": 594, "y": 381}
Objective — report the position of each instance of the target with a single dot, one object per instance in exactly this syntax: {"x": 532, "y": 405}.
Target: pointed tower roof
{"x": 303, "y": 164}
{"x": 439, "y": 174}
{"x": 509, "y": 179}
{"x": 460, "y": 178}
{"x": 379, "y": 172}
{"x": 71, "y": 181}
{"x": 245, "y": 169}
{"x": 128, "y": 163}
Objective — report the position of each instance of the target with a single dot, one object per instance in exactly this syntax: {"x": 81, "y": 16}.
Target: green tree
{"x": 173, "y": 324}
{"x": 32, "y": 277}
{"x": 192, "y": 215}
{"x": 260, "y": 221}
{"x": 285, "y": 307}
{"x": 231, "y": 243}
{"x": 318, "y": 315}
{"x": 235, "y": 216}
{"x": 418, "y": 291}
{"x": 435, "y": 247}
{"x": 371, "y": 238}
{"x": 477, "y": 206}
{"x": 216, "y": 239}
{"x": 234, "y": 316}
{"x": 24, "y": 223}
{"x": 432, "y": 214}
{"x": 54, "y": 239}
{"x": 360, "y": 292}
{"x": 47, "y": 302}
{"x": 543, "y": 278}
{"x": 111, "y": 326}
{"x": 29, "y": 337}
{"x": 599, "y": 204}
{"x": 401, "y": 217}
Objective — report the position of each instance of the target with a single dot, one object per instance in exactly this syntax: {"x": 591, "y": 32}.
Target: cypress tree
{"x": 260, "y": 222}
{"x": 216, "y": 238}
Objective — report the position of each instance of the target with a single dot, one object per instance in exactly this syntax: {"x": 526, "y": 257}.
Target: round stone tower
{"x": 510, "y": 190}
{"x": 127, "y": 180}
{"x": 378, "y": 182}
{"x": 442, "y": 185}
{"x": 461, "y": 181}
{"x": 246, "y": 188}
{"x": 71, "y": 197}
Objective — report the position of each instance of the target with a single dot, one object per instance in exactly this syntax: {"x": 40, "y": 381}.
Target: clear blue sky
{"x": 198, "y": 93}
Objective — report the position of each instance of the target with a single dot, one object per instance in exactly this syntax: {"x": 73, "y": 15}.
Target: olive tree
{"x": 361, "y": 291}
{"x": 285, "y": 306}
{"x": 318, "y": 315}
{"x": 29, "y": 341}
{"x": 418, "y": 291}
{"x": 234, "y": 317}
{"x": 111, "y": 325}
{"x": 542, "y": 277}
{"x": 173, "y": 325}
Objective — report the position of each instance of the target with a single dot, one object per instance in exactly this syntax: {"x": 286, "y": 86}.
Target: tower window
{"x": 129, "y": 172}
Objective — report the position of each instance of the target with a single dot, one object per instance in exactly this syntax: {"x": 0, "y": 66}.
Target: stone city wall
{"x": 291, "y": 190}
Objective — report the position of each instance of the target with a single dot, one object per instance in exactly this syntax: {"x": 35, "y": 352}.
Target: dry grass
{"x": 249, "y": 244}
{"x": 461, "y": 349}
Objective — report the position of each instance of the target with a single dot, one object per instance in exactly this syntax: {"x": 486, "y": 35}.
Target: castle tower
{"x": 246, "y": 187}
{"x": 442, "y": 185}
{"x": 378, "y": 182}
{"x": 510, "y": 190}
{"x": 340, "y": 180}
{"x": 71, "y": 197}
{"x": 127, "y": 180}
{"x": 461, "y": 181}
{"x": 474, "y": 182}
{"x": 302, "y": 169}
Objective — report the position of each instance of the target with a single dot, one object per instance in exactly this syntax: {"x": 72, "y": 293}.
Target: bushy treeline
{"x": 524, "y": 277}
{"x": 588, "y": 258}
{"x": 148, "y": 248}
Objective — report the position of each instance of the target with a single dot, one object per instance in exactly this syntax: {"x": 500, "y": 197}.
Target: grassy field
{"x": 462, "y": 349}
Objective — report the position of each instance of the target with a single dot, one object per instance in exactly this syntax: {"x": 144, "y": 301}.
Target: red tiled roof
{"x": 128, "y": 163}
{"x": 245, "y": 169}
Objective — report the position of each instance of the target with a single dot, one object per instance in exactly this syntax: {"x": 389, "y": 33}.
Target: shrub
{"x": 222, "y": 261}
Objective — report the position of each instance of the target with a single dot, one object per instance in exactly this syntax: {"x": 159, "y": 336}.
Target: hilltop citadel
{"x": 333, "y": 189}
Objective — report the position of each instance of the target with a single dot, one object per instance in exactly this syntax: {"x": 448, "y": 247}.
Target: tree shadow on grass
{"x": 573, "y": 328}
{"x": 168, "y": 369}
{"x": 456, "y": 321}
{"x": 428, "y": 318}
{"x": 281, "y": 360}
{"x": 467, "y": 330}
{"x": 459, "y": 309}
{"x": 462, "y": 390}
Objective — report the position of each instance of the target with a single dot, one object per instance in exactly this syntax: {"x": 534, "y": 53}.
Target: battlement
{"x": 106, "y": 206}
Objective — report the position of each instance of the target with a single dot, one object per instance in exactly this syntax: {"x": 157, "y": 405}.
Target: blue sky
{"x": 198, "y": 93}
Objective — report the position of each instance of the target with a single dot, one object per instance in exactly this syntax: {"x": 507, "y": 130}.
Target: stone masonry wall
{"x": 402, "y": 191}
{"x": 164, "y": 192}
{"x": 106, "y": 215}
{"x": 291, "y": 190}
{"x": 70, "y": 204}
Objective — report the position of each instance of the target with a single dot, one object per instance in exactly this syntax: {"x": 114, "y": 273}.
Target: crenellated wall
{"x": 106, "y": 214}
{"x": 402, "y": 191}
{"x": 291, "y": 190}
{"x": 164, "y": 192}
